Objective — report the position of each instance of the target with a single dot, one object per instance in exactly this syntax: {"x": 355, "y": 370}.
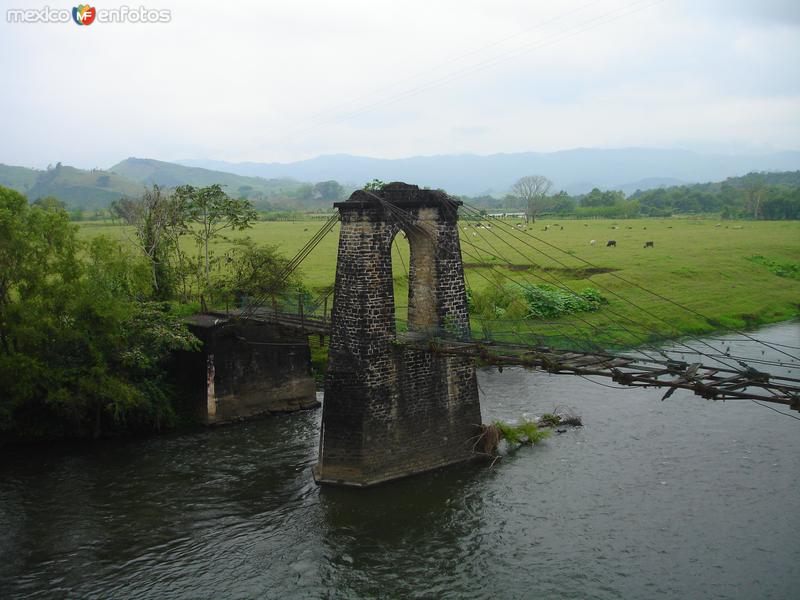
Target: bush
{"x": 532, "y": 301}
{"x": 548, "y": 302}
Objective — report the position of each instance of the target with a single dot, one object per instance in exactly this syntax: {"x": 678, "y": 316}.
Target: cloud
{"x": 285, "y": 81}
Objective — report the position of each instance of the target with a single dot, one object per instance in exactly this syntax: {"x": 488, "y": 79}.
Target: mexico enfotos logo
{"x": 85, "y": 14}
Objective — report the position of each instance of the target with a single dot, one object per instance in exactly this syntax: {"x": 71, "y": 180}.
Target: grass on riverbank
{"x": 694, "y": 262}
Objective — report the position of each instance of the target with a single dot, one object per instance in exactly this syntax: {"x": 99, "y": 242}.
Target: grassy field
{"x": 696, "y": 263}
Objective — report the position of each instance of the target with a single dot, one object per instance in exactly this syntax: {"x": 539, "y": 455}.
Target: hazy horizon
{"x": 282, "y": 83}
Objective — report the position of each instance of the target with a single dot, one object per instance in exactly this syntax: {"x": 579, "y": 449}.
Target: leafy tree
{"x": 255, "y": 271}
{"x": 562, "y": 203}
{"x": 602, "y": 198}
{"x": 158, "y": 221}
{"x": 781, "y": 203}
{"x": 328, "y": 190}
{"x": 754, "y": 190}
{"x": 123, "y": 209}
{"x": 50, "y": 203}
{"x": 80, "y": 348}
{"x": 304, "y": 192}
{"x": 531, "y": 190}
{"x": 208, "y": 211}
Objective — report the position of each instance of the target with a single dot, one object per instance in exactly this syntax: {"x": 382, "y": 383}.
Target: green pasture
{"x": 701, "y": 264}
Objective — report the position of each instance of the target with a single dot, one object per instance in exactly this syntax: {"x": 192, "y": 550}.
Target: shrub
{"x": 547, "y": 302}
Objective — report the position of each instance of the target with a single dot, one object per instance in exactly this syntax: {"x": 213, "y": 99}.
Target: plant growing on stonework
{"x": 524, "y": 432}
{"x": 376, "y": 185}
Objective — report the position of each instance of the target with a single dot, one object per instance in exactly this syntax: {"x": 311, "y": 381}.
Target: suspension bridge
{"x": 401, "y": 395}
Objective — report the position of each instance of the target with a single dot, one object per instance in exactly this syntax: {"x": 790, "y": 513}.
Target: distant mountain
{"x": 574, "y": 171}
{"x": 648, "y": 183}
{"x": 147, "y": 171}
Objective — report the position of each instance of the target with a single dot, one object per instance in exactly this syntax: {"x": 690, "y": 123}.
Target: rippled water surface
{"x": 678, "y": 499}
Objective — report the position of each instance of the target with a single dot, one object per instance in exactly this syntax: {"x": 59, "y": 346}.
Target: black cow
{"x": 611, "y": 243}
{"x": 648, "y": 245}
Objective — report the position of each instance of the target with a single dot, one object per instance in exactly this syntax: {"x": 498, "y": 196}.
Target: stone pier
{"x": 245, "y": 369}
{"x": 389, "y": 410}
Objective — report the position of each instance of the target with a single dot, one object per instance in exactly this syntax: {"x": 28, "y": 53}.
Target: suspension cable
{"x": 609, "y": 290}
{"x": 649, "y": 291}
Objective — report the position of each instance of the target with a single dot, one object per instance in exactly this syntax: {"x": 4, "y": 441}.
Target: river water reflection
{"x": 679, "y": 499}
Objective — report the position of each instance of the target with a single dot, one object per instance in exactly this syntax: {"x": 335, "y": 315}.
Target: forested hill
{"x": 760, "y": 195}
{"x": 96, "y": 189}
{"x": 74, "y": 187}
{"x": 147, "y": 171}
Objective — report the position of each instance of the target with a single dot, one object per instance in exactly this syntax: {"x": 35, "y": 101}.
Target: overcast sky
{"x": 281, "y": 81}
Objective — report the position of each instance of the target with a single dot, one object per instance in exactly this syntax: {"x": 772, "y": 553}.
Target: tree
{"x": 123, "y": 209}
{"x": 81, "y": 349}
{"x": 531, "y": 190}
{"x": 754, "y": 192}
{"x": 153, "y": 216}
{"x": 304, "y": 192}
{"x": 255, "y": 272}
{"x": 597, "y": 198}
{"x": 328, "y": 190}
{"x": 208, "y": 211}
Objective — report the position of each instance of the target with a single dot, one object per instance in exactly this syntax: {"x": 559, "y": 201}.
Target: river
{"x": 685, "y": 498}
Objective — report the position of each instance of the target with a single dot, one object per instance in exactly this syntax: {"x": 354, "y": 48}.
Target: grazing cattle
{"x": 648, "y": 245}
{"x": 545, "y": 228}
{"x": 611, "y": 243}
{"x": 592, "y": 242}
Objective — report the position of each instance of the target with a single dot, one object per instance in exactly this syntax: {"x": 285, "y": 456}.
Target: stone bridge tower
{"x": 391, "y": 410}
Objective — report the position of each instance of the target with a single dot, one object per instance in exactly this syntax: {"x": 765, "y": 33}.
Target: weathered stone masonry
{"x": 246, "y": 368}
{"x": 390, "y": 410}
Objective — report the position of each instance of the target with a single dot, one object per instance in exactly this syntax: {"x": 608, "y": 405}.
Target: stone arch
{"x": 394, "y": 409}
{"x": 421, "y": 296}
